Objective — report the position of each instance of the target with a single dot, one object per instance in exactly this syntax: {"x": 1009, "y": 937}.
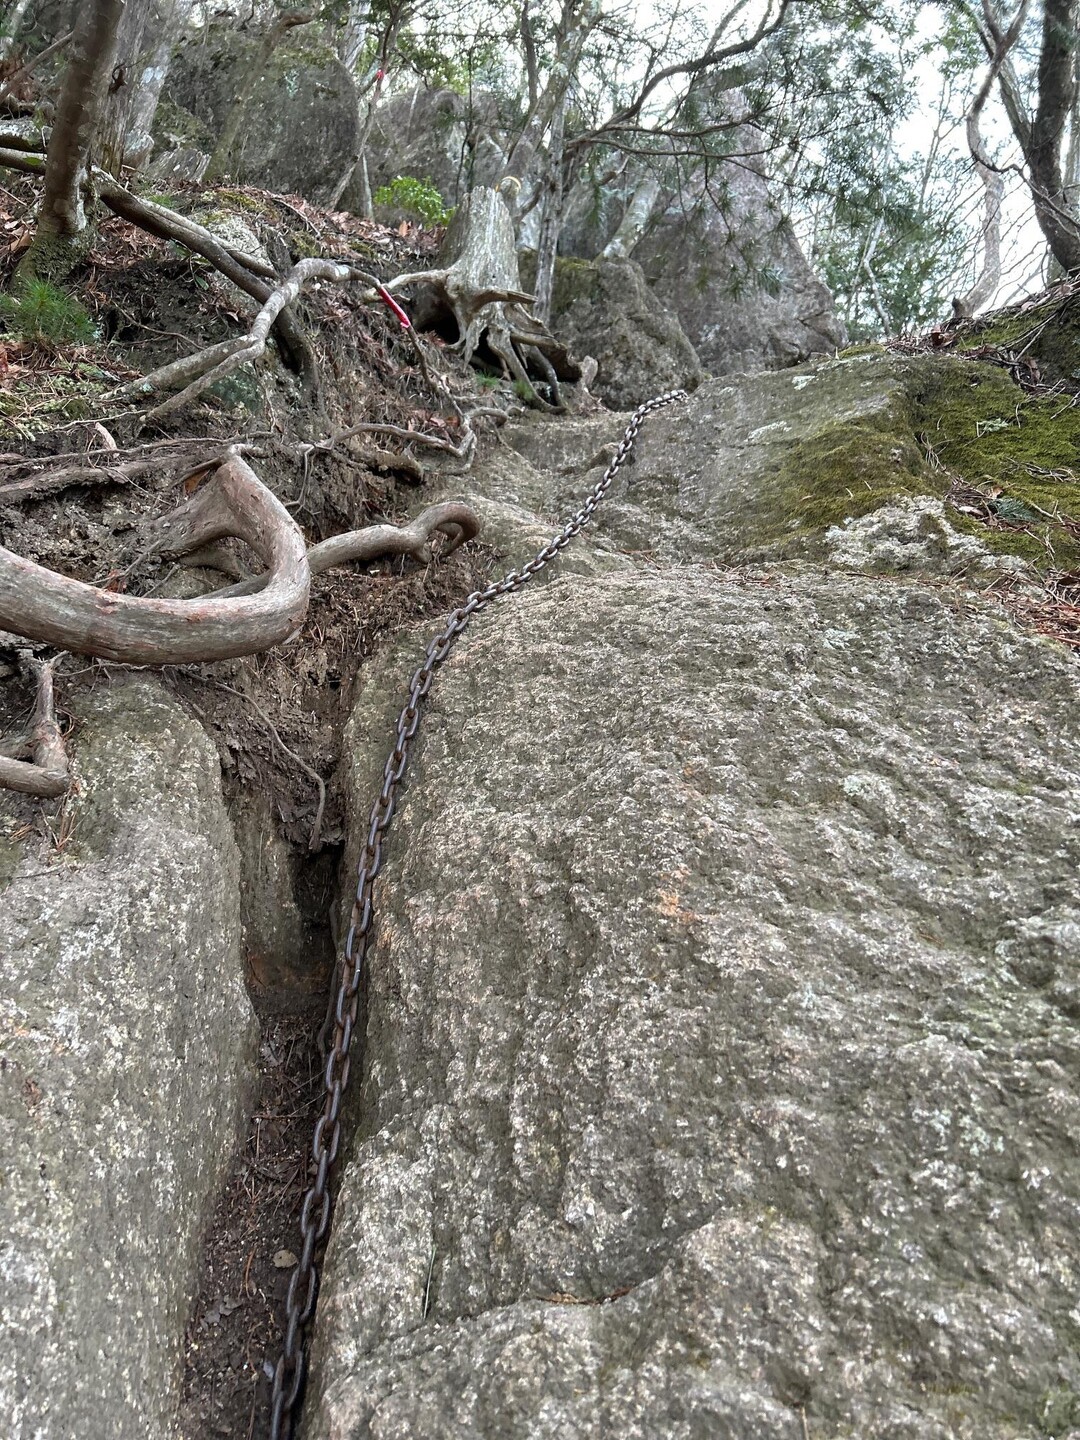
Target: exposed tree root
{"x": 454, "y": 519}
{"x": 199, "y": 371}
{"x": 45, "y": 773}
{"x": 39, "y": 603}
{"x": 481, "y": 289}
{"x": 86, "y": 467}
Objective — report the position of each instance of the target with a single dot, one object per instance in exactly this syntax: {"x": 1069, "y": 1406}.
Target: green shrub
{"x": 47, "y": 315}
{"x": 416, "y": 196}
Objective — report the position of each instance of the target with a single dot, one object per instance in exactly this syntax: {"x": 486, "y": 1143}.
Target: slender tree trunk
{"x": 144, "y": 51}
{"x": 638, "y": 214}
{"x": 551, "y": 218}
{"x": 375, "y": 81}
{"x": 1057, "y": 80}
{"x": 10, "y": 27}
{"x": 62, "y": 219}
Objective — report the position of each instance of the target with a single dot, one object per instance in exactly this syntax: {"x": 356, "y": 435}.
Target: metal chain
{"x": 315, "y": 1210}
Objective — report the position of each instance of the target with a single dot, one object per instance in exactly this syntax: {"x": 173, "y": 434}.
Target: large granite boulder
{"x": 604, "y": 308}
{"x": 721, "y": 1051}
{"x": 301, "y": 122}
{"x": 424, "y": 134}
{"x": 126, "y": 1042}
{"x": 722, "y": 1059}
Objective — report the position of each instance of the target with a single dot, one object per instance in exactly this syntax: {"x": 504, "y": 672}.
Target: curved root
{"x": 46, "y": 773}
{"x": 43, "y": 605}
{"x": 453, "y": 518}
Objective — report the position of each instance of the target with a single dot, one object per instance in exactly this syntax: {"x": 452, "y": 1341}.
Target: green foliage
{"x": 487, "y": 382}
{"x": 47, "y": 315}
{"x": 419, "y": 197}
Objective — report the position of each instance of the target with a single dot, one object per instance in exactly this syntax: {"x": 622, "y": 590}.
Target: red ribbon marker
{"x": 391, "y": 304}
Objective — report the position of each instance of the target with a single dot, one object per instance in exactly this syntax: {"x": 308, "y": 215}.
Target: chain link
{"x": 315, "y": 1210}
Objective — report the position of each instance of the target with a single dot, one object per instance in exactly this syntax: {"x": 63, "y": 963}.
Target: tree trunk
{"x": 62, "y": 220}
{"x": 551, "y": 219}
{"x": 1058, "y": 219}
{"x": 144, "y": 51}
{"x": 11, "y": 26}
{"x": 481, "y": 289}
{"x": 638, "y": 214}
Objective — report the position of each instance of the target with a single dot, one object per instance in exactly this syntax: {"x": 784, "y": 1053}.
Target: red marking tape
{"x": 391, "y": 304}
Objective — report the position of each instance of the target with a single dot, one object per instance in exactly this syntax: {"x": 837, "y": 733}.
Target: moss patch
{"x": 1048, "y": 333}
{"x": 844, "y": 471}
{"x": 951, "y": 422}
{"x": 1022, "y": 451}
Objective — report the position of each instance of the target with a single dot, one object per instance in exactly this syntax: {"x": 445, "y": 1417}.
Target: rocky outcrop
{"x": 127, "y": 1039}
{"x": 718, "y": 1072}
{"x": 718, "y": 1054}
{"x": 604, "y": 308}
{"x": 721, "y": 258}
{"x": 800, "y": 464}
{"x": 423, "y": 133}
{"x": 301, "y": 120}
{"x": 737, "y": 277}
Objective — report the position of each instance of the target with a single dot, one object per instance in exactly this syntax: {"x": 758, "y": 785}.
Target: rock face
{"x": 721, "y": 1055}
{"x": 605, "y": 309}
{"x": 800, "y": 465}
{"x": 722, "y": 1049}
{"x": 734, "y": 279}
{"x": 423, "y": 133}
{"x": 739, "y": 281}
{"x": 301, "y": 121}
{"x": 126, "y": 1042}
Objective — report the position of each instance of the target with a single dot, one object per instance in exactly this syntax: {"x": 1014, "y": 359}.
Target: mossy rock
{"x": 777, "y": 465}
{"x": 301, "y": 121}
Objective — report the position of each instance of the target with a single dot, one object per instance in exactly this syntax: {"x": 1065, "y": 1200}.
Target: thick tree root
{"x": 45, "y": 606}
{"x": 453, "y": 519}
{"x": 46, "y": 773}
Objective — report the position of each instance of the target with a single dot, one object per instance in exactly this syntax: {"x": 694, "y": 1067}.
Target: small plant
{"x": 524, "y": 391}
{"x": 485, "y": 381}
{"x": 417, "y": 196}
{"x": 49, "y": 316}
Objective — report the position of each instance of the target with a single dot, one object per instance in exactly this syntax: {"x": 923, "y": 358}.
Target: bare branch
{"x": 989, "y": 276}
{"x": 712, "y": 57}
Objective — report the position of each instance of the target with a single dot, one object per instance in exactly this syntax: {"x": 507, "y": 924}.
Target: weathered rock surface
{"x": 827, "y": 461}
{"x": 722, "y": 1052}
{"x": 738, "y": 280}
{"x": 301, "y": 122}
{"x": 605, "y": 309}
{"x": 423, "y": 133}
{"x": 126, "y": 1039}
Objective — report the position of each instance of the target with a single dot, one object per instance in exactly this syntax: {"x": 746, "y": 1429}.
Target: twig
{"x": 28, "y": 65}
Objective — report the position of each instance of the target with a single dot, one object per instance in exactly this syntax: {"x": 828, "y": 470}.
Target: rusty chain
{"x": 315, "y": 1210}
